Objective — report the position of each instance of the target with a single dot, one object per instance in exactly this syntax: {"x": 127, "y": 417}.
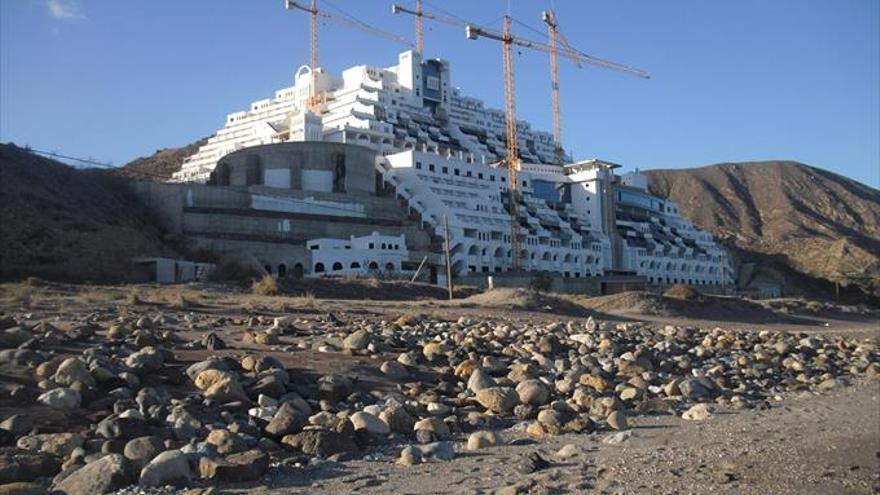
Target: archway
{"x": 319, "y": 267}
{"x": 337, "y": 266}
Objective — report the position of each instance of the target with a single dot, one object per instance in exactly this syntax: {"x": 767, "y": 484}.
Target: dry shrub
{"x": 133, "y": 298}
{"x": 230, "y": 270}
{"x": 179, "y": 301}
{"x": 683, "y": 292}
{"x": 266, "y": 286}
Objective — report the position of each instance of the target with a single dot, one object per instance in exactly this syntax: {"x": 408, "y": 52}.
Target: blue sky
{"x": 732, "y": 81}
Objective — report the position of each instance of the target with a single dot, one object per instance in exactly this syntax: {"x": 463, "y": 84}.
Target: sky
{"x": 737, "y": 80}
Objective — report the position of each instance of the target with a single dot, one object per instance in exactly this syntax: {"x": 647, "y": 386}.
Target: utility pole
{"x": 448, "y": 258}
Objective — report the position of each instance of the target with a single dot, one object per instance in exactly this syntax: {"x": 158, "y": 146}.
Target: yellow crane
{"x": 554, "y": 35}
{"x": 512, "y": 160}
{"x": 316, "y": 101}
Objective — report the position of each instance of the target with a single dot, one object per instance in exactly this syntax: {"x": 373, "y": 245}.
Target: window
{"x": 373, "y": 265}
{"x": 337, "y": 266}
{"x": 468, "y": 174}
{"x": 492, "y": 178}
{"x": 319, "y": 267}
{"x": 355, "y": 265}
{"x": 445, "y": 170}
{"x": 419, "y": 165}
{"x": 372, "y": 246}
{"x": 389, "y": 267}
{"x": 480, "y": 175}
{"x": 431, "y": 167}
{"x": 456, "y": 172}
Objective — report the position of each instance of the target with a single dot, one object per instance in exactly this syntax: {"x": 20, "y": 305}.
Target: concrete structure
{"x": 392, "y": 151}
{"x": 169, "y": 271}
{"x": 373, "y": 254}
{"x": 411, "y": 105}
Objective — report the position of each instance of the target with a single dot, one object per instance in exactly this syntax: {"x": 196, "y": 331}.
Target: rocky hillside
{"x": 62, "y": 223}
{"x": 161, "y": 164}
{"x": 788, "y": 222}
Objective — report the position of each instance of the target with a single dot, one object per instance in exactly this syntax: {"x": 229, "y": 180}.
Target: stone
{"x": 226, "y": 441}
{"x": 617, "y": 420}
{"x": 334, "y": 387}
{"x": 142, "y": 449}
{"x": 370, "y": 423}
{"x": 438, "y": 428}
{"x": 409, "y": 456}
{"x": 398, "y": 419}
{"x": 244, "y": 466}
{"x": 286, "y": 421}
{"x": 479, "y": 380}
{"x": 357, "y": 341}
{"x": 596, "y": 382}
{"x": 321, "y": 443}
{"x": 105, "y": 475}
{"x": 22, "y": 488}
{"x": 18, "y": 424}
{"x": 27, "y": 466}
{"x": 533, "y": 392}
{"x": 73, "y": 370}
{"x": 61, "y": 398}
{"x": 394, "y": 370}
{"x": 695, "y": 389}
{"x": 828, "y": 384}
{"x": 58, "y": 444}
{"x": 482, "y": 439}
{"x": 117, "y": 427}
{"x": 442, "y": 451}
{"x": 531, "y": 462}
{"x": 168, "y": 468}
{"x": 699, "y": 412}
{"x": 227, "y": 389}
{"x": 568, "y": 451}
{"x": 433, "y": 350}
{"x": 146, "y": 360}
{"x": 498, "y": 399}
{"x": 619, "y": 437}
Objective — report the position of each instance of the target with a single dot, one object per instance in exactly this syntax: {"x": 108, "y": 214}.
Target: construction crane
{"x": 316, "y": 100}
{"x": 420, "y": 15}
{"x": 512, "y": 160}
{"x": 554, "y": 35}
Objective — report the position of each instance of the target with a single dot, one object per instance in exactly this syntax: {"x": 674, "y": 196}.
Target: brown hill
{"x": 161, "y": 164}
{"x": 62, "y": 223}
{"x": 788, "y": 223}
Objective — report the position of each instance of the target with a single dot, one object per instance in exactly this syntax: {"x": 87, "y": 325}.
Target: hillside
{"x": 787, "y": 222}
{"x": 161, "y": 164}
{"x": 62, "y": 223}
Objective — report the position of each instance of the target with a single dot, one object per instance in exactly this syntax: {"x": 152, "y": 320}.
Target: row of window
{"x": 467, "y": 173}
{"x": 337, "y": 266}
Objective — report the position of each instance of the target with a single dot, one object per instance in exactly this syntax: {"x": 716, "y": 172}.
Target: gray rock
{"x": 61, "y": 398}
{"x": 370, "y": 423}
{"x": 168, "y": 468}
{"x": 286, "y": 421}
{"x": 105, "y": 475}
{"x": 142, "y": 450}
{"x": 357, "y": 341}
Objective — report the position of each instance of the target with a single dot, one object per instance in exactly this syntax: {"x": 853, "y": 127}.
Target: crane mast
{"x": 549, "y": 18}
{"x": 512, "y": 160}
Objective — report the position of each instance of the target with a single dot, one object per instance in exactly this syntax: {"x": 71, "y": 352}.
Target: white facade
{"x": 434, "y": 147}
{"x": 374, "y": 253}
{"x": 411, "y": 105}
{"x": 577, "y": 221}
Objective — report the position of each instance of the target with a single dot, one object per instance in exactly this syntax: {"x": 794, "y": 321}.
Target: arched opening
{"x": 282, "y": 270}
{"x": 268, "y": 269}
{"x": 389, "y": 267}
{"x": 373, "y": 265}
{"x": 298, "y": 271}
{"x": 355, "y": 265}
{"x": 473, "y": 250}
{"x": 337, "y": 266}
{"x": 319, "y": 267}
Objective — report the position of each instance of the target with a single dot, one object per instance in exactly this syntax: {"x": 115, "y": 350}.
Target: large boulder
{"x": 73, "y": 370}
{"x": 168, "y": 468}
{"x": 498, "y": 399}
{"x": 321, "y": 443}
{"x": 61, "y": 398}
{"x": 245, "y": 466}
{"x": 104, "y": 475}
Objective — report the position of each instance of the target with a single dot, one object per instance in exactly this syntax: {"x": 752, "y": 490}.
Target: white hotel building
{"x": 435, "y": 148}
